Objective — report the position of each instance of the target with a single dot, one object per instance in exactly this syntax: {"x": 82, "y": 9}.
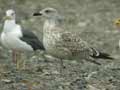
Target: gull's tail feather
{"x": 100, "y": 55}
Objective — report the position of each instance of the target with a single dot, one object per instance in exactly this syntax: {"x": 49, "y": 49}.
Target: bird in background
{"x": 64, "y": 44}
{"x": 14, "y": 38}
{"x": 117, "y": 23}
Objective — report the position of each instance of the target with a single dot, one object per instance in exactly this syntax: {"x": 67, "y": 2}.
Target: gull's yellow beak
{"x": 117, "y": 22}
{"x": 7, "y": 18}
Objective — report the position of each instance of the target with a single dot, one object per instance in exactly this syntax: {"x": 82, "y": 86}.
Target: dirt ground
{"x": 94, "y": 19}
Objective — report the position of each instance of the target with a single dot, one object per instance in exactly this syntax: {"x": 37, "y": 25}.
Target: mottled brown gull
{"x": 64, "y": 44}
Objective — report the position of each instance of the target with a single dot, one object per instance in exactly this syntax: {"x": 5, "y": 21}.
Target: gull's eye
{"x": 47, "y": 11}
{"x": 13, "y": 14}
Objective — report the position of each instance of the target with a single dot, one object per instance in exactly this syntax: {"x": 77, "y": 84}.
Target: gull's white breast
{"x": 11, "y": 40}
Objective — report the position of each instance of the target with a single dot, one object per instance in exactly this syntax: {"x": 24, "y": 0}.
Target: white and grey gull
{"x": 64, "y": 44}
{"x": 13, "y": 37}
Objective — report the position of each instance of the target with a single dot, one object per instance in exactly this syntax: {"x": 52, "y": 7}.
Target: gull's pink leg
{"x": 14, "y": 57}
{"x": 17, "y": 59}
{"x": 20, "y": 62}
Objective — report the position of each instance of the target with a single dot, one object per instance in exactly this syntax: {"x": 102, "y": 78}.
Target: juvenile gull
{"x": 117, "y": 23}
{"x": 64, "y": 44}
{"x": 13, "y": 37}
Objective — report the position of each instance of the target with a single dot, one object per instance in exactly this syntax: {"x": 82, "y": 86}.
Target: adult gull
{"x": 13, "y": 37}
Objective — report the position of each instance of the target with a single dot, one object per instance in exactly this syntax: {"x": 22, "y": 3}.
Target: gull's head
{"x": 10, "y": 15}
{"x": 48, "y": 13}
{"x": 117, "y": 22}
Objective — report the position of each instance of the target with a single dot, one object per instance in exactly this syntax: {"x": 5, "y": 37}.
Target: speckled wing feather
{"x": 72, "y": 44}
{"x": 75, "y": 44}
{"x": 79, "y": 48}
